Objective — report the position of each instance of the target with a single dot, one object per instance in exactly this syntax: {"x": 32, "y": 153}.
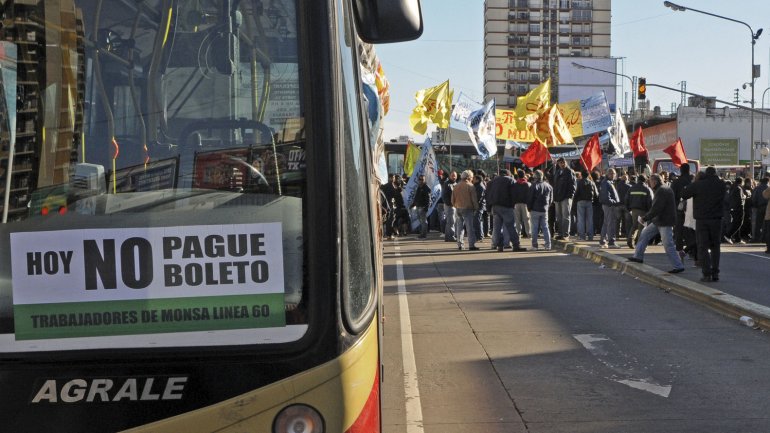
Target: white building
{"x": 715, "y": 136}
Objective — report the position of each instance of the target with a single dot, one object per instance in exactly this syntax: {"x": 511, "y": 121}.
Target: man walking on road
{"x": 660, "y": 220}
{"x": 465, "y": 202}
{"x": 708, "y": 195}
{"x": 639, "y": 201}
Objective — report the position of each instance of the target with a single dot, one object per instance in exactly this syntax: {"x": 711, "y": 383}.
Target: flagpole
{"x": 581, "y": 154}
{"x": 449, "y": 134}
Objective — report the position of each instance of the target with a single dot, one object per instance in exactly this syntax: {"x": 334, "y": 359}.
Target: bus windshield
{"x": 153, "y": 175}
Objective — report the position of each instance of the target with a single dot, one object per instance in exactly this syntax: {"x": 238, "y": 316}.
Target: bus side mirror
{"x": 383, "y": 21}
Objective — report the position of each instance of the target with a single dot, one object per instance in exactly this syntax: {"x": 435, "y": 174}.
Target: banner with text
{"x": 124, "y": 281}
{"x": 583, "y": 117}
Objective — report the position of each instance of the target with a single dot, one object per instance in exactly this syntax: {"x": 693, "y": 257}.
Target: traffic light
{"x": 642, "y": 94}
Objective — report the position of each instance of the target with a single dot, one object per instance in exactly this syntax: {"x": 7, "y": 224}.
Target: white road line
{"x": 755, "y": 255}
{"x": 411, "y": 387}
{"x": 620, "y": 364}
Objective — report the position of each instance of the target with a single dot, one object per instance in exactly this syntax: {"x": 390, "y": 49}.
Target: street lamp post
{"x": 579, "y": 66}
{"x": 754, "y": 37}
{"x": 762, "y": 127}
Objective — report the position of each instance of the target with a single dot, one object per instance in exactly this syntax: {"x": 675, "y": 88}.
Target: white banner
{"x": 146, "y": 263}
{"x": 463, "y": 108}
{"x": 596, "y": 113}
{"x": 481, "y": 128}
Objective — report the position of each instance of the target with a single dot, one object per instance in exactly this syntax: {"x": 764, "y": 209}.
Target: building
{"x": 524, "y": 39}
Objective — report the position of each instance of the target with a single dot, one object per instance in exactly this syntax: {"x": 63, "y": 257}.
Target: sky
{"x": 712, "y": 55}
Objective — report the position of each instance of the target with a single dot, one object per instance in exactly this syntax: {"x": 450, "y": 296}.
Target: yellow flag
{"x": 410, "y": 157}
{"x": 551, "y": 129}
{"x": 433, "y": 105}
{"x": 530, "y": 106}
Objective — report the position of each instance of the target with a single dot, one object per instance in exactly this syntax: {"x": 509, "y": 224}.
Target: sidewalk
{"x": 712, "y": 296}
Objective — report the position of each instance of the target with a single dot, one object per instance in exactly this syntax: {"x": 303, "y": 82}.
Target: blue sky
{"x": 712, "y": 55}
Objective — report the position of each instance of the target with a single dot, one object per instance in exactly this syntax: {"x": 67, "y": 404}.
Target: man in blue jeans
{"x": 660, "y": 219}
{"x": 539, "y": 201}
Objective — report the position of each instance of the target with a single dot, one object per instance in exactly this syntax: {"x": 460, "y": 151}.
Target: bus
{"x": 188, "y": 240}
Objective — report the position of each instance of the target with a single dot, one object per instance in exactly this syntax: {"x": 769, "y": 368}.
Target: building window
{"x": 534, "y": 27}
{"x": 581, "y": 15}
{"x": 581, "y": 4}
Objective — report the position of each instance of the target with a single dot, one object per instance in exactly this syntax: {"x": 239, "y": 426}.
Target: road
{"x": 551, "y": 342}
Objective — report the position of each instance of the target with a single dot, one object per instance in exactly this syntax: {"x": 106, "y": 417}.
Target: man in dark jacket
{"x": 585, "y": 195}
{"x": 759, "y": 204}
{"x": 540, "y": 199}
{"x": 520, "y": 196}
{"x": 608, "y": 197}
{"x": 422, "y": 203}
{"x": 622, "y": 213}
{"x": 681, "y": 182}
{"x": 736, "y": 200}
{"x": 499, "y": 197}
{"x": 708, "y": 207}
{"x": 451, "y": 213}
{"x": 638, "y": 200}
{"x": 480, "y": 185}
{"x": 564, "y": 188}
{"x": 660, "y": 219}
{"x": 392, "y": 194}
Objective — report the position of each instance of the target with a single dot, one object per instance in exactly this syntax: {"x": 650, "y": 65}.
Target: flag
{"x": 535, "y": 155}
{"x": 551, "y": 129}
{"x": 676, "y": 150}
{"x": 433, "y": 105}
{"x": 463, "y": 108}
{"x": 637, "y": 143}
{"x": 427, "y": 165}
{"x": 530, "y": 106}
{"x": 410, "y": 157}
{"x": 619, "y": 136}
{"x": 592, "y": 153}
{"x": 481, "y": 128}
{"x": 383, "y": 88}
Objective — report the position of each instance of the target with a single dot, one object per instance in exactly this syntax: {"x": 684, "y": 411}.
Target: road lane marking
{"x": 623, "y": 366}
{"x": 755, "y": 255}
{"x": 411, "y": 387}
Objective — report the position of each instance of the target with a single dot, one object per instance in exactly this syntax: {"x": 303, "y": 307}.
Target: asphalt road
{"x": 550, "y": 342}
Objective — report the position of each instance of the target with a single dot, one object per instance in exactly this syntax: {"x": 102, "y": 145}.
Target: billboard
{"x": 719, "y": 151}
{"x": 580, "y": 83}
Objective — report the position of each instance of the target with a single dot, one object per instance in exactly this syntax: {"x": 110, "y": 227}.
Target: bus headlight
{"x": 298, "y": 418}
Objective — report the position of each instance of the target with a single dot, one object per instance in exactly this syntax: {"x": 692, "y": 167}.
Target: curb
{"x": 723, "y": 303}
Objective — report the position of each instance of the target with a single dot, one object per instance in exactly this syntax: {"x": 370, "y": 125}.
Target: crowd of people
{"x": 690, "y": 214}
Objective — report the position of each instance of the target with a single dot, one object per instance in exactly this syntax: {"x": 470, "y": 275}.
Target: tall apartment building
{"x": 523, "y": 40}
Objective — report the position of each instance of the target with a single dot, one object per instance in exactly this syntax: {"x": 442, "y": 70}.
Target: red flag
{"x": 535, "y": 154}
{"x": 676, "y": 150}
{"x": 637, "y": 143}
{"x": 592, "y": 153}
